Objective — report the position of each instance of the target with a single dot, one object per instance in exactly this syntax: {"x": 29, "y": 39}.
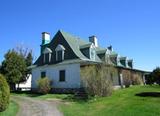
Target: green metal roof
{"x": 113, "y": 53}
{"x": 75, "y": 43}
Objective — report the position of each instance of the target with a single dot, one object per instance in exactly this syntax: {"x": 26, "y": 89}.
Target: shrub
{"x": 4, "y": 93}
{"x": 126, "y": 78}
{"x": 149, "y": 79}
{"x": 44, "y": 85}
{"x": 136, "y": 79}
{"x": 96, "y": 80}
{"x": 153, "y": 77}
{"x": 156, "y": 75}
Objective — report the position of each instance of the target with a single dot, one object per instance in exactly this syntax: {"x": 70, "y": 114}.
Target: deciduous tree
{"x": 156, "y": 75}
{"x": 14, "y": 66}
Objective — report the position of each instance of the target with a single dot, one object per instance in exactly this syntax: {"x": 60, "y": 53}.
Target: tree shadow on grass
{"x": 148, "y": 94}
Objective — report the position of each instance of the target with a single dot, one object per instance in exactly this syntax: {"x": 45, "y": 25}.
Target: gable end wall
{"x": 52, "y": 72}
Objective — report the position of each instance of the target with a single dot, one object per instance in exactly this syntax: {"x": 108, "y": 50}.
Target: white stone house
{"x": 62, "y": 57}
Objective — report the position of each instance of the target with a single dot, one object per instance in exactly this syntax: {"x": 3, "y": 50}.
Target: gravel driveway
{"x": 34, "y": 107}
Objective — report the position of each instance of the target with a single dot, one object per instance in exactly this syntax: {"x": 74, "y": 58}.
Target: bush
{"x": 126, "y": 78}
{"x": 4, "y": 93}
{"x": 44, "y": 85}
{"x": 156, "y": 75}
{"x": 149, "y": 79}
{"x": 153, "y": 77}
{"x": 96, "y": 80}
{"x": 136, "y": 79}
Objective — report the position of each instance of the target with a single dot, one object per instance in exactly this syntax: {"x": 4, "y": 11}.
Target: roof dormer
{"x": 47, "y": 54}
{"x": 130, "y": 63}
{"x": 47, "y": 50}
{"x": 60, "y": 52}
{"x": 123, "y": 61}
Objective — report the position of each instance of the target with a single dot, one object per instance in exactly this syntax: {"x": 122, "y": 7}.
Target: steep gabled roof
{"x": 75, "y": 44}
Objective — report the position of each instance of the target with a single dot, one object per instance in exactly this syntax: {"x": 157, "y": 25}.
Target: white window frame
{"x": 49, "y": 52}
{"x": 50, "y": 55}
{"x": 60, "y": 48}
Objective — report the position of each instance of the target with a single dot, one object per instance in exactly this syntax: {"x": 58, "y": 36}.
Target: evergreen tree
{"x": 29, "y": 60}
{"x": 14, "y": 68}
{"x": 156, "y": 75}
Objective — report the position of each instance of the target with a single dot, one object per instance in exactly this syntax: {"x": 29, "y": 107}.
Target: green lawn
{"x": 11, "y": 111}
{"x": 121, "y": 103}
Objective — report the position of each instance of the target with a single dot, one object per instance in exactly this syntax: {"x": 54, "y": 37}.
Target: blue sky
{"x": 132, "y": 27}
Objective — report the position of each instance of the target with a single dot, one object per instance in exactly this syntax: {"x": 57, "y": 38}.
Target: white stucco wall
{"x": 72, "y": 75}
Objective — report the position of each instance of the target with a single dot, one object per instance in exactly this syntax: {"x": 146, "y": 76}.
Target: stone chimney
{"x": 45, "y": 38}
{"x": 94, "y": 40}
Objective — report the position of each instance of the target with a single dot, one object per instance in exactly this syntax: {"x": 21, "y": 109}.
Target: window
{"x": 59, "y": 56}
{"x": 60, "y": 52}
{"x": 62, "y": 75}
{"x": 46, "y": 58}
{"x": 47, "y": 55}
{"x": 43, "y": 74}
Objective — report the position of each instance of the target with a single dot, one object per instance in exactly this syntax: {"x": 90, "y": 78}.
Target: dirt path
{"x": 34, "y": 107}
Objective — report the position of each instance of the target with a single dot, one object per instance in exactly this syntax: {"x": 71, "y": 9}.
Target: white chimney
{"x": 45, "y": 38}
{"x": 94, "y": 40}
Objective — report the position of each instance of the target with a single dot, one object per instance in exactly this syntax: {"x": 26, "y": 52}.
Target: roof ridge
{"x": 74, "y": 36}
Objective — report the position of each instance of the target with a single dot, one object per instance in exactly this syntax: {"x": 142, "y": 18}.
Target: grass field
{"x": 11, "y": 111}
{"x": 121, "y": 103}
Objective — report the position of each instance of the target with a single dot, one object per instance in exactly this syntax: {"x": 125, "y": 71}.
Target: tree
{"x": 15, "y": 64}
{"x": 126, "y": 78}
{"x": 29, "y": 60}
{"x": 97, "y": 79}
{"x": 4, "y": 93}
{"x": 156, "y": 75}
{"x": 149, "y": 79}
{"x": 14, "y": 68}
{"x": 153, "y": 77}
{"x": 27, "y": 55}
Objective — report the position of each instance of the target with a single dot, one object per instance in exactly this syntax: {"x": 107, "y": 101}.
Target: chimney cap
{"x": 110, "y": 47}
{"x": 93, "y": 39}
{"x": 45, "y": 33}
{"x": 93, "y": 36}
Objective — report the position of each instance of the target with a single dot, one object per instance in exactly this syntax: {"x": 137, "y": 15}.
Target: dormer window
{"x": 60, "y": 52}
{"x": 47, "y": 55}
{"x": 130, "y": 63}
